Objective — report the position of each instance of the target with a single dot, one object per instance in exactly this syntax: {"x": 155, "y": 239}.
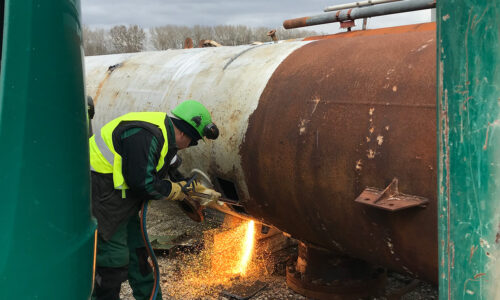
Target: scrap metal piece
{"x": 272, "y": 34}
{"x": 168, "y": 242}
{"x": 208, "y": 43}
{"x": 390, "y": 198}
{"x": 188, "y": 43}
{"x": 165, "y": 242}
{"x": 242, "y": 291}
{"x": 172, "y": 245}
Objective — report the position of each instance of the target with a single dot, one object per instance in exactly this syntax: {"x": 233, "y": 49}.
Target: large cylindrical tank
{"x": 306, "y": 126}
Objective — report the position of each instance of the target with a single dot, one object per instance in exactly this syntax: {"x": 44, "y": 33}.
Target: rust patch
{"x": 301, "y": 185}
{"x": 293, "y": 23}
{"x": 392, "y": 30}
{"x": 99, "y": 88}
{"x": 101, "y": 84}
{"x": 472, "y": 251}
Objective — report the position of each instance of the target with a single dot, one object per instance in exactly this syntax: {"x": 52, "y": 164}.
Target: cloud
{"x": 254, "y": 13}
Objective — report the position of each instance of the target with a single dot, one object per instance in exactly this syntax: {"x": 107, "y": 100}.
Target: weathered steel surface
{"x": 340, "y": 115}
{"x": 381, "y": 31}
{"x": 469, "y": 149}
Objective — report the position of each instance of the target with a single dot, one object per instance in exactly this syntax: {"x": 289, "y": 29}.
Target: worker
{"x": 130, "y": 157}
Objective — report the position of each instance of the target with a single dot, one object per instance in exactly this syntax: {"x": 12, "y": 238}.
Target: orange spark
{"x": 227, "y": 257}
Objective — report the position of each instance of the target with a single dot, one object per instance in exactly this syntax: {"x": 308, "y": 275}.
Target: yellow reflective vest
{"x": 103, "y": 156}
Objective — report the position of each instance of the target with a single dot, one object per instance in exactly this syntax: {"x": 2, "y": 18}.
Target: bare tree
{"x": 260, "y": 34}
{"x": 169, "y": 36}
{"x": 126, "y": 40}
{"x": 161, "y": 37}
{"x": 95, "y": 42}
{"x": 199, "y": 32}
{"x": 223, "y": 35}
{"x": 242, "y": 35}
{"x": 136, "y": 37}
{"x": 132, "y": 39}
{"x": 286, "y": 34}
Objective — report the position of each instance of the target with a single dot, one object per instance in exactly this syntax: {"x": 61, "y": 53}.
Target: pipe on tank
{"x": 360, "y": 12}
{"x": 356, "y": 4}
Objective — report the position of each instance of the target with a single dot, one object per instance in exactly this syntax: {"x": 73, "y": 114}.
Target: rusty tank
{"x": 307, "y": 128}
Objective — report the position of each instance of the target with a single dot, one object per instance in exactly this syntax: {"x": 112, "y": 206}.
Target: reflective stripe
{"x": 108, "y": 155}
{"x": 174, "y": 159}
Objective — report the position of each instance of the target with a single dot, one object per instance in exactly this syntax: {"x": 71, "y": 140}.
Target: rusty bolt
{"x": 188, "y": 43}
{"x": 272, "y": 34}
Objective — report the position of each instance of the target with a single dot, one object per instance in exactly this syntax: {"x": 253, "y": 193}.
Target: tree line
{"x": 133, "y": 38}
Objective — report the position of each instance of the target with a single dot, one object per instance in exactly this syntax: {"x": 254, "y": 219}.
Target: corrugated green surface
{"x": 469, "y": 148}
{"x": 46, "y": 226}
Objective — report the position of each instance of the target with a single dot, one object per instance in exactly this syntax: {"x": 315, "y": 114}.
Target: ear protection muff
{"x": 210, "y": 131}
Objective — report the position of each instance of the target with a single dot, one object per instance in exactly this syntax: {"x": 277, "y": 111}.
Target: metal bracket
{"x": 390, "y": 198}
{"x": 347, "y": 24}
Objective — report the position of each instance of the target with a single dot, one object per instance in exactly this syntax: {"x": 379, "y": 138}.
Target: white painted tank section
{"x": 227, "y": 80}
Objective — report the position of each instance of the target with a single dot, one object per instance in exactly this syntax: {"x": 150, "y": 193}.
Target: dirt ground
{"x": 165, "y": 218}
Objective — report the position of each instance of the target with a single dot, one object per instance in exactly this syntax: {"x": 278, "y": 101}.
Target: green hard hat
{"x": 197, "y": 115}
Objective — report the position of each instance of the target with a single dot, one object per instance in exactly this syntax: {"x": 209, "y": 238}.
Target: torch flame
{"x": 246, "y": 249}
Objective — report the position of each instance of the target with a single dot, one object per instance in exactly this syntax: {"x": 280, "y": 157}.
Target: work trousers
{"x": 123, "y": 256}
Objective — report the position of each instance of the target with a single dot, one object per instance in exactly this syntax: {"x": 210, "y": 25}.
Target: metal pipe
{"x": 356, "y": 4}
{"x": 360, "y": 12}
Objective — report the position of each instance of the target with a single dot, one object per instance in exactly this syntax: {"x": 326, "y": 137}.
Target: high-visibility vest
{"x": 103, "y": 156}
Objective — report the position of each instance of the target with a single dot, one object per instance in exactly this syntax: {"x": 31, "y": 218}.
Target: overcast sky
{"x": 254, "y": 13}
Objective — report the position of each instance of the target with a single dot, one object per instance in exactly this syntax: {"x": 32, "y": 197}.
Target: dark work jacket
{"x": 139, "y": 144}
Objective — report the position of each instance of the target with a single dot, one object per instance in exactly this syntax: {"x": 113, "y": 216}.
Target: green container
{"x": 469, "y": 148}
{"x": 47, "y": 231}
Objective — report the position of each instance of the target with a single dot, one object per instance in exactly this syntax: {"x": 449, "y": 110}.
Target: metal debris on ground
{"x": 243, "y": 291}
{"x": 173, "y": 244}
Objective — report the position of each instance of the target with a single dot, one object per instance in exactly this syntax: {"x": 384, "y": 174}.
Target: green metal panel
{"x": 469, "y": 148}
{"x": 47, "y": 235}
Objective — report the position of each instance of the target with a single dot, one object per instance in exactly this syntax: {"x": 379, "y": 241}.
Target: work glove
{"x": 176, "y": 193}
{"x": 211, "y": 195}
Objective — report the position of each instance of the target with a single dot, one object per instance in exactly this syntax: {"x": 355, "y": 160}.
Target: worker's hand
{"x": 211, "y": 195}
{"x": 211, "y": 198}
{"x": 176, "y": 193}
{"x": 199, "y": 187}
